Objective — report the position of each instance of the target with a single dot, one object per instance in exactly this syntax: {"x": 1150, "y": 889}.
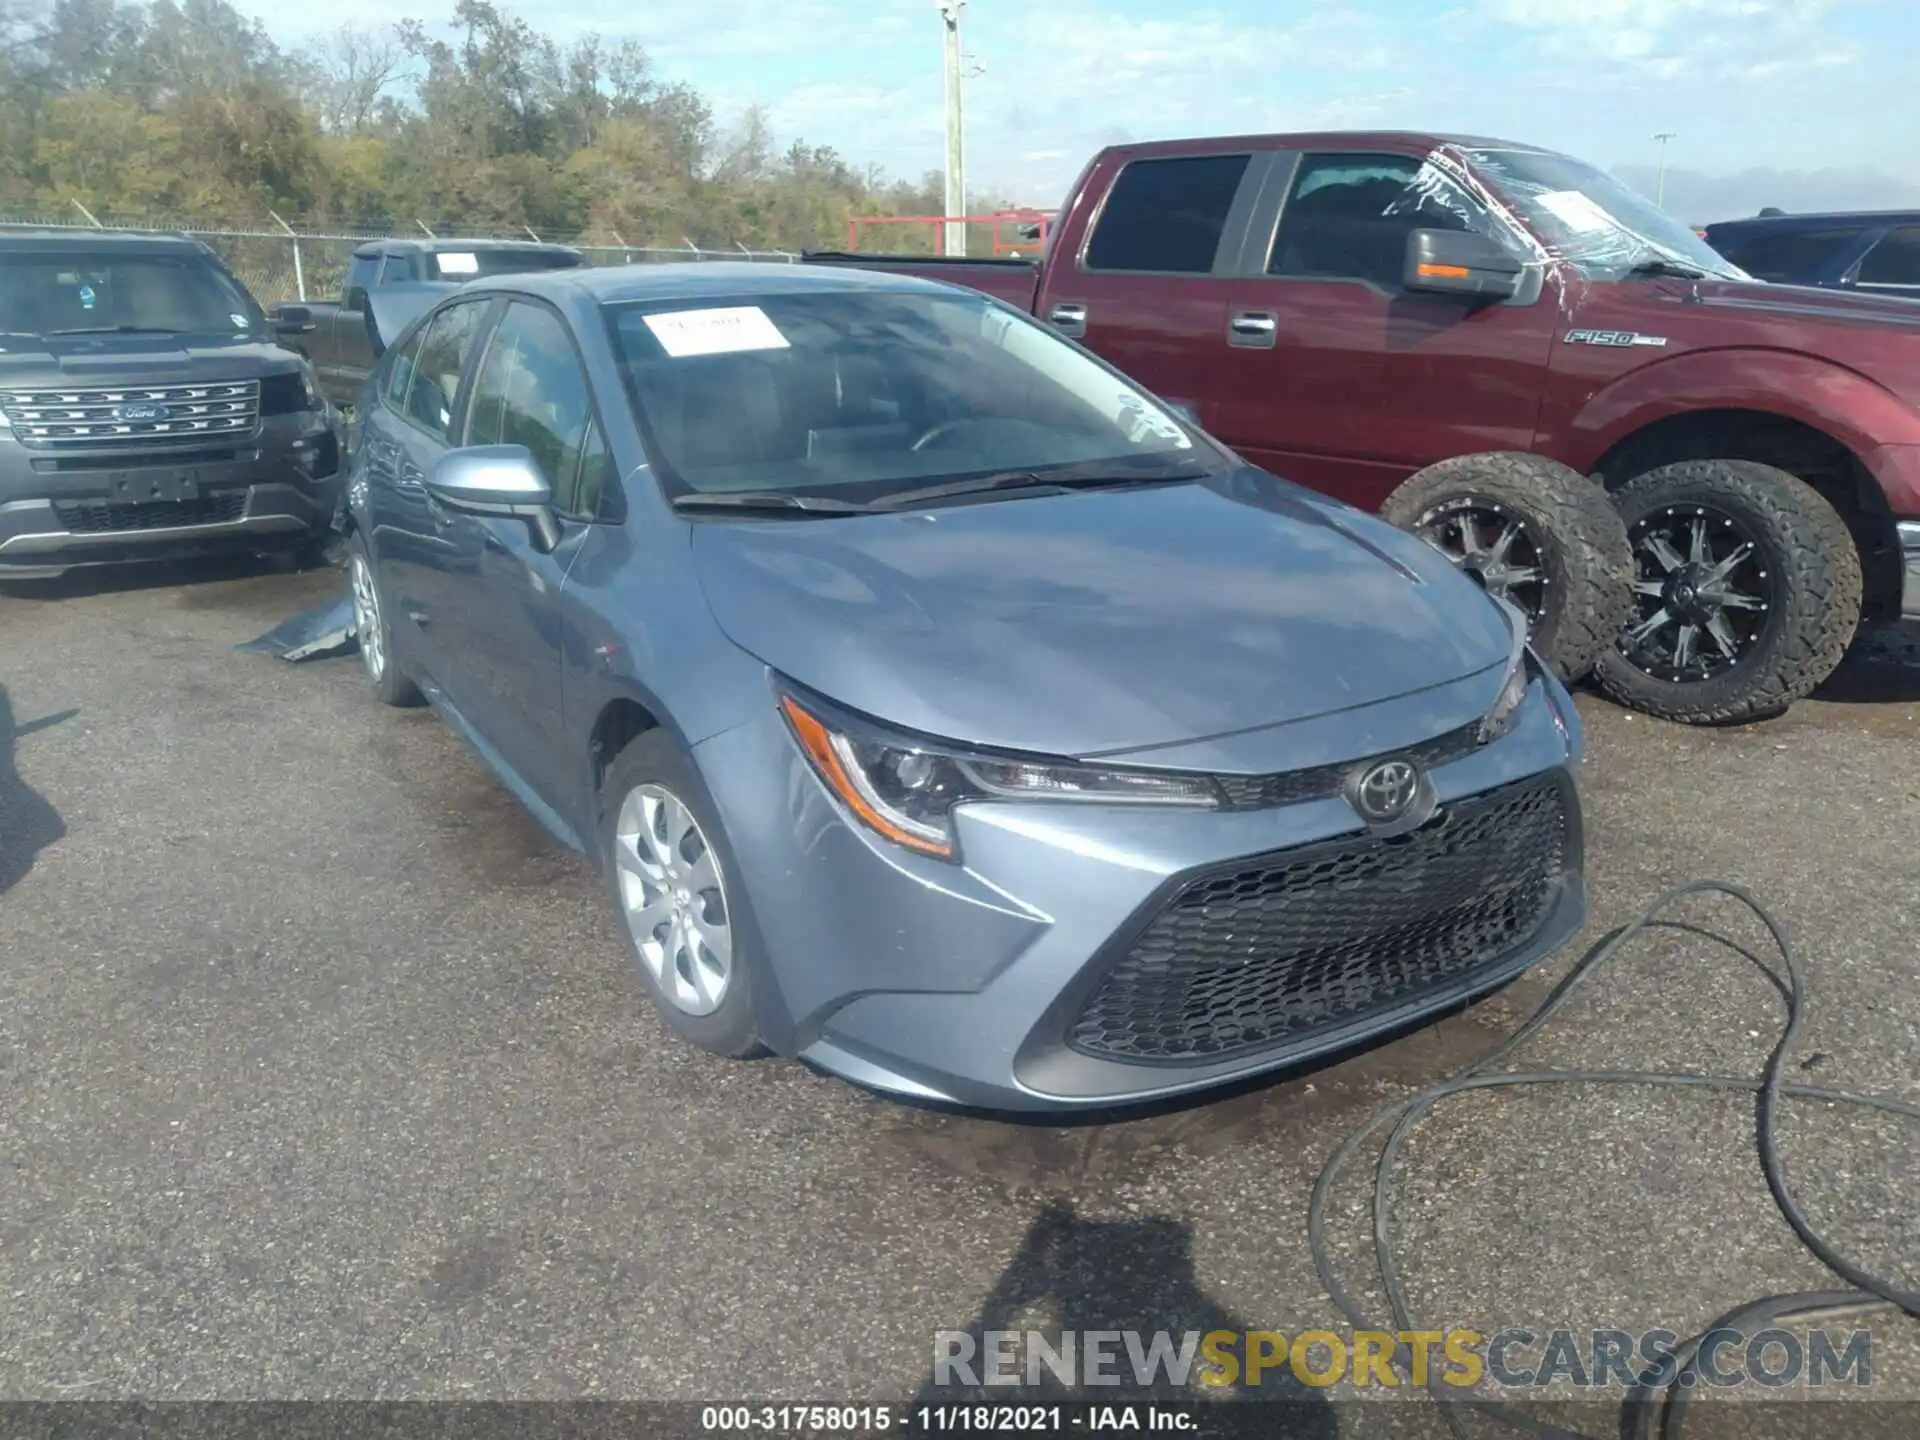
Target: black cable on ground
{"x": 1868, "y": 1292}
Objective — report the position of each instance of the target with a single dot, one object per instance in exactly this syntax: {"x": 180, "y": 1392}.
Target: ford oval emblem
{"x": 141, "y": 410}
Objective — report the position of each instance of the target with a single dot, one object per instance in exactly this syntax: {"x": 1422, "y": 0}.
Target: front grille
{"x": 1295, "y": 787}
{"x": 100, "y": 517}
{"x": 1249, "y": 958}
{"x": 134, "y": 415}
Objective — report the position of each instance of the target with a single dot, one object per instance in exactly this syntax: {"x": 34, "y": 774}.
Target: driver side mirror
{"x": 497, "y": 480}
{"x": 1460, "y": 262}
{"x": 293, "y": 320}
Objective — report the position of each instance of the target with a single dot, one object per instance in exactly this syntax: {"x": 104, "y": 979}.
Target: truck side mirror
{"x": 1460, "y": 262}
{"x": 293, "y": 320}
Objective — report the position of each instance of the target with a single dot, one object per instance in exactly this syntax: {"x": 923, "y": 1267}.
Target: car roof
{"x": 1324, "y": 140}
{"x": 440, "y": 246}
{"x": 705, "y": 280}
{"x": 1820, "y": 220}
{"x": 123, "y": 240}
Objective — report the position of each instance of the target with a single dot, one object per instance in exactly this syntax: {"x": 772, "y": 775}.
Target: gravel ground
{"x": 321, "y": 1074}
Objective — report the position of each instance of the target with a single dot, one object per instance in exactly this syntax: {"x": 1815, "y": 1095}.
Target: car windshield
{"x": 46, "y": 293}
{"x": 867, "y": 392}
{"x": 466, "y": 264}
{"x": 1591, "y": 220}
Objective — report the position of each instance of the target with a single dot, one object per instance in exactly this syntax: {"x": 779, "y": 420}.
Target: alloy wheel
{"x": 1495, "y": 549}
{"x": 366, "y": 619}
{"x": 1701, "y": 594}
{"x": 674, "y": 899}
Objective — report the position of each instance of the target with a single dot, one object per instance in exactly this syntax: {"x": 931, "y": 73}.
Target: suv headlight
{"x": 905, "y": 788}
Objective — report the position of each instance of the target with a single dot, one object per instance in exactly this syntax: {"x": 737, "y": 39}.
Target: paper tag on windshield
{"x": 457, "y": 262}
{"x": 1580, "y": 213}
{"x": 715, "y": 332}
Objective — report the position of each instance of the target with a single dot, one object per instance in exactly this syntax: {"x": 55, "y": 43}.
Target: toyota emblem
{"x": 1386, "y": 791}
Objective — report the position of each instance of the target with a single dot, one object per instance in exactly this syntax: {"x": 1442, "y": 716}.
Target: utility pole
{"x": 954, "y": 242}
{"x": 1660, "y": 175}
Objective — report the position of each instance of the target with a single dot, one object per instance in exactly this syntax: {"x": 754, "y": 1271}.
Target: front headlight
{"x": 1520, "y": 673}
{"x": 906, "y": 788}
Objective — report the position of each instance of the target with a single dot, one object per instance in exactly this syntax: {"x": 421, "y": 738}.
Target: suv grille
{"x": 100, "y": 517}
{"x": 1249, "y": 958}
{"x": 134, "y": 415}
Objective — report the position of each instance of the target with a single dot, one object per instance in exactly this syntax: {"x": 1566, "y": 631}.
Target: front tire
{"x": 670, "y": 887}
{"x": 1535, "y": 533}
{"x": 373, "y": 631}
{"x": 1747, "y": 591}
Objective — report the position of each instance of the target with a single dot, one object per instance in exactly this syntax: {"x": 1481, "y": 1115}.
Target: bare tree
{"x": 351, "y": 71}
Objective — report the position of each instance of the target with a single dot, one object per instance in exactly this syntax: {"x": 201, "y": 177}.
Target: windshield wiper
{"x": 768, "y": 500}
{"x": 120, "y": 330}
{"x": 1660, "y": 266}
{"x": 1022, "y": 480}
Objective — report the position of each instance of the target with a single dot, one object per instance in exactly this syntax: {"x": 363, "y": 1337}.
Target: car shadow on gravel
{"x": 1883, "y": 667}
{"x": 1074, "y": 1277}
{"x": 28, "y": 822}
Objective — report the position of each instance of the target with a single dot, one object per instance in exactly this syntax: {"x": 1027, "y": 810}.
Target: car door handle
{"x": 1069, "y": 319}
{"x": 1253, "y": 329}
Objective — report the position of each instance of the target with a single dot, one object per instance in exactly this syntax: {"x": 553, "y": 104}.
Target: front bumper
{"x": 67, "y": 508}
{"x": 963, "y": 983}
{"x": 1910, "y": 553}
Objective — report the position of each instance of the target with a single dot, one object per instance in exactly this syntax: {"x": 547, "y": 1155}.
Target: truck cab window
{"x": 1166, "y": 216}
{"x": 1795, "y": 257}
{"x": 1894, "y": 262}
{"x": 361, "y": 271}
{"x": 1348, "y": 216}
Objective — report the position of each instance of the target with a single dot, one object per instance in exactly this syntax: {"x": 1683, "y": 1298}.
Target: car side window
{"x": 397, "y": 269}
{"x": 531, "y": 391}
{"x": 1348, "y": 216}
{"x": 1895, "y": 261}
{"x": 444, "y": 347}
{"x": 1166, "y": 216}
{"x": 401, "y": 362}
{"x": 1786, "y": 257}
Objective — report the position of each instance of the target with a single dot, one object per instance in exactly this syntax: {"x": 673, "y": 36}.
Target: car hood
{"x": 27, "y": 361}
{"x": 1102, "y": 621}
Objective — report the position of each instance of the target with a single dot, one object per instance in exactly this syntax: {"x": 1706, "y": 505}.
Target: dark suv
{"x": 1865, "y": 250}
{"x": 147, "y": 409}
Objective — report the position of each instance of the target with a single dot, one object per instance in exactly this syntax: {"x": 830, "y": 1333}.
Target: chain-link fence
{"x": 286, "y": 264}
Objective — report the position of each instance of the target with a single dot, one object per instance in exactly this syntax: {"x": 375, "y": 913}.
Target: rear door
{"x": 346, "y": 357}
{"x": 419, "y": 561}
{"x": 529, "y": 388}
{"x": 1332, "y": 374}
{"x": 1148, "y": 289}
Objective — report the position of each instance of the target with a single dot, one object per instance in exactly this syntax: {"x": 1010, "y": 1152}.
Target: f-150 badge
{"x": 1619, "y": 338}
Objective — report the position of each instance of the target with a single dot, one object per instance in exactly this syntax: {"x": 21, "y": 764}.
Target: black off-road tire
{"x": 654, "y": 757}
{"x": 1581, "y": 543}
{"x": 1813, "y": 606}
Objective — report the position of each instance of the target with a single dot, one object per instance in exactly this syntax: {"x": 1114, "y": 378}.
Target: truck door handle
{"x": 1068, "y": 319}
{"x": 1253, "y": 329}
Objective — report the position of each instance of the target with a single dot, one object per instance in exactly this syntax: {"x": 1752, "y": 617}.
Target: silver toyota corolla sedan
{"x": 939, "y": 707}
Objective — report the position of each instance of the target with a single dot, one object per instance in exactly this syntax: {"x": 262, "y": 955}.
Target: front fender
{"x": 1858, "y": 412}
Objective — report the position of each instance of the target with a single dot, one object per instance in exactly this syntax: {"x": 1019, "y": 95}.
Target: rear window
{"x": 47, "y": 292}
{"x": 1785, "y": 257}
{"x": 470, "y": 264}
{"x": 1166, "y": 216}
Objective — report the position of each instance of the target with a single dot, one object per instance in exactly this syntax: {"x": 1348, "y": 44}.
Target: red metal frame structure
{"x": 999, "y": 221}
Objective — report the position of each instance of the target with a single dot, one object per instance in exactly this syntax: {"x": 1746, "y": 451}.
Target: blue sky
{"x": 1791, "y": 102}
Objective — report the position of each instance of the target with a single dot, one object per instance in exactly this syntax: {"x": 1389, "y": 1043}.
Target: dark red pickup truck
{"x": 1468, "y": 334}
